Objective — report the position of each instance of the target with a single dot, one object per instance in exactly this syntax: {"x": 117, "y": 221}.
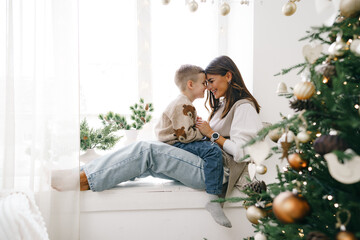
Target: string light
{"x": 336, "y": 205}
{"x": 330, "y": 197}
{"x": 345, "y": 83}
{"x": 356, "y": 106}
{"x": 309, "y": 169}
{"x": 318, "y": 92}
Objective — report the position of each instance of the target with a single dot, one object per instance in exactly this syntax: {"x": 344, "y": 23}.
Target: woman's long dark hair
{"x": 236, "y": 90}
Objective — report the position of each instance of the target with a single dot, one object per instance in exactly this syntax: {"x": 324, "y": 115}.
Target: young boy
{"x": 177, "y": 127}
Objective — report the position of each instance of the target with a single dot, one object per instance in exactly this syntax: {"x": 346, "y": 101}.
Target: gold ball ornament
{"x": 261, "y": 169}
{"x": 304, "y": 90}
{"x": 296, "y": 162}
{"x": 193, "y": 6}
{"x": 224, "y": 9}
{"x": 355, "y": 47}
{"x": 289, "y": 9}
{"x": 345, "y": 235}
{"x": 349, "y": 8}
{"x": 165, "y": 2}
{"x": 303, "y": 137}
{"x": 254, "y": 214}
{"x": 290, "y": 208}
{"x": 275, "y": 134}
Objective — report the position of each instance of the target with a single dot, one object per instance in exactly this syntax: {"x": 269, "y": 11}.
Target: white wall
{"x": 276, "y": 47}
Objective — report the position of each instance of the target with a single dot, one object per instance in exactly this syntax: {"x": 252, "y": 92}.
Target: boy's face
{"x": 199, "y": 86}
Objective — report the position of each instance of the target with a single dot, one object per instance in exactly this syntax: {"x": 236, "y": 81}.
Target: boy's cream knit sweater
{"x": 177, "y": 123}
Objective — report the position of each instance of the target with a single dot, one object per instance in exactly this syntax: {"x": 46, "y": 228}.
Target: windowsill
{"x": 145, "y": 194}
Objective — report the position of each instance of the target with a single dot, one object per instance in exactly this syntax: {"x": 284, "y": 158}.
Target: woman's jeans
{"x": 213, "y": 163}
{"x": 142, "y": 159}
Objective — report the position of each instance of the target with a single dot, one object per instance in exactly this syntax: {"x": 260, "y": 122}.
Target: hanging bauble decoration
{"x": 193, "y": 6}
{"x": 316, "y": 236}
{"x": 287, "y": 137}
{"x": 275, "y": 134}
{"x": 296, "y": 162}
{"x": 338, "y": 47}
{"x": 349, "y": 8}
{"x": 260, "y": 236}
{"x": 326, "y": 69}
{"x": 312, "y": 52}
{"x": 289, "y": 8}
{"x": 224, "y": 9}
{"x": 261, "y": 169}
{"x": 303, "y": 137}
{"x": 347, "y": 172}
{"x": 328, "y": 143}
{"x": 281, "y": 89}
{"x": 355, "y": 47}
{"x": 304, "y": 90}
{"x": 345, "y": 235}
{"x": 165, "y": 2}
{"x": 290, "y": 208}
{"x": 254, "y": 214}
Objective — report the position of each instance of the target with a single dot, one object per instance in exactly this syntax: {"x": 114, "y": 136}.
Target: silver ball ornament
{"x": 260, "y": 236}
{"x": 261, "y": 169}
{"x": 289, "y": 9}
{"x": 303, "y": 137}
{"x": 355, "y": 47}
{"x": 224, "y": 9}
{"x": 254, "y": 214}
{"x": 193, "y": 6}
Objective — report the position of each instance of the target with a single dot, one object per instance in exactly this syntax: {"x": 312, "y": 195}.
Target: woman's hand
{"x": 204, "y": 127}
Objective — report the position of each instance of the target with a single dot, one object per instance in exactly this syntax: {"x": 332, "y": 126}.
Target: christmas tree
{"x": 317, "y": 195}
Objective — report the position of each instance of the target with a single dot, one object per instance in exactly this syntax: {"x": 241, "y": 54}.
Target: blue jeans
{"x": 142, "y": 159}
{"x": 213, "y": 163}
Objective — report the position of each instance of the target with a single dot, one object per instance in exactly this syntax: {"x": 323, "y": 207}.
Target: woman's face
{"x": 218, "y": 84}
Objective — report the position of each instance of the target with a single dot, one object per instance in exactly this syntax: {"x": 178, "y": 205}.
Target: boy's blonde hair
{"x": 185, "y": 73}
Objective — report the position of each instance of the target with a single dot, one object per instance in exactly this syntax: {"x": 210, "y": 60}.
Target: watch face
{"x": 215, "y": 135}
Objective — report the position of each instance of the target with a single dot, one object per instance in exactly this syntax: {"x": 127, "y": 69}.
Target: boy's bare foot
{"x": 84, "y": 184}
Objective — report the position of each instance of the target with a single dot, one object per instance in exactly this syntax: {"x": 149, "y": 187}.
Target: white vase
{"x": 131, "y": 135}
{"x": 89, "y": 155}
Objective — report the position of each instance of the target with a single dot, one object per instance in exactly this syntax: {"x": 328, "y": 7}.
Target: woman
{"x": 234, "y": 120}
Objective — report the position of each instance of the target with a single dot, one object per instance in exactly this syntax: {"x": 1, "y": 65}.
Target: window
{"x": 131, "y": 49}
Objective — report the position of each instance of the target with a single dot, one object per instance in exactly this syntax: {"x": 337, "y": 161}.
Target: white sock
{"x": 217, "y": 212}
{"x": 65, "y": 180}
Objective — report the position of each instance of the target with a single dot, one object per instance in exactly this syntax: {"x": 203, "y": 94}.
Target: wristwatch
{"x": 215, "y": 136}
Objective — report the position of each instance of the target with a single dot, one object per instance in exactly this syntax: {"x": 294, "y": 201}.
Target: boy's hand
{"x": 204, "y": 127}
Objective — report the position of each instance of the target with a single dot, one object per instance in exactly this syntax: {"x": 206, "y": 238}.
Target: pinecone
{"x": 257, "y": 186}
{"x": 299, "y": 105}
{"x": 326, "y": 69}
{"x": 316, "y": 236}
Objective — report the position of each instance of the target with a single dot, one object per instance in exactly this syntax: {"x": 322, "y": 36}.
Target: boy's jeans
{"x": 213, "y": 163}
{"x": 142, "y": 159}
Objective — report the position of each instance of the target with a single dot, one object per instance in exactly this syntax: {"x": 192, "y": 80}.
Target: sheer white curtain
{"x": 39, "y": 107}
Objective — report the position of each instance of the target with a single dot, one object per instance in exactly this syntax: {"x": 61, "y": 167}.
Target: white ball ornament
{"x": 193, "y": 6}
{"x": 355, "y": 47}
{"x": 254, "y": 214}
{"x": 289, "y": 9}
{"x": 260, "y": 236}
{"x": 303, "y": 137}
{"x": 261, "y": 169}
{"x": 348, "y": 8}
{"x": 304, "y": 90}
{"x": 224, "y": 9}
